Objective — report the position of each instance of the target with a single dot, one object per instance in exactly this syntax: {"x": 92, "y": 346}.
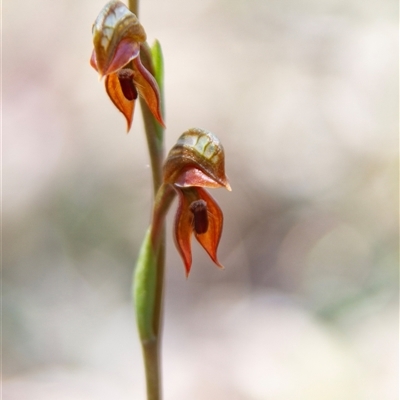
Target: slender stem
{"x": 155, "y": 134}
{"x": 152, "y": 349}
{"x": 144, "y": 288}
{"x": 134, "y": 6}
{"x": 151, "y": 353}
{"x": 158, "y": 304}
{"x": 147, "y": 290}
{"x": 154, "y": 143}
{"x": 166, "y": 193}
{"x": 162, "y": 202}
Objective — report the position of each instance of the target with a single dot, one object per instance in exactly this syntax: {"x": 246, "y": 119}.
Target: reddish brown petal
{"x": 210, "y": 239}
{"x": 183, "y": 230}
{"x": 148, "y": 89}
{"x": 117, "y": 35}
{"x": 116, "y": 95}
{"x": 125, "y": 52}
{"x": 195, "y": 177}
{"x": 197, "y": 159}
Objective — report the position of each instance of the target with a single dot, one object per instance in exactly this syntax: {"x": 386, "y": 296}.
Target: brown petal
{"x": 191, "y": 176}
{"x": 183, "y": 230}
{"x": 148, "y": 89}
{"x": 117, "y": 35}
{"x": 197, "y": 159}
{"x": 125, "y": 52}
{"x": 117, "y": 96}
{"x": 210, "y": 239}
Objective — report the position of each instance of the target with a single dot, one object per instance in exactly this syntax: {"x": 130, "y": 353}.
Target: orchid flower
{"x": 118, "y": 40}
{"x": 197, "y": 162}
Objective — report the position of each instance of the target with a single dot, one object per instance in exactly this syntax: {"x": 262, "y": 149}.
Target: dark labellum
{"x": 125, "y": 77}
{"x": 200, "y": 216}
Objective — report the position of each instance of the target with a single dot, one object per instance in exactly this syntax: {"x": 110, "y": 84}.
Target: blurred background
{"x": 304, "y": 97}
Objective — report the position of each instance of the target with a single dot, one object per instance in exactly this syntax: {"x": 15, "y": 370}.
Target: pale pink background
{"x": 304, "y": 97}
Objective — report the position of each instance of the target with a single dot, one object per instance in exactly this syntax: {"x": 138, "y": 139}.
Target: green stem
{"x": 144, "y": 291}
{"x": 149, "y": 280}
{"x": 151, "y": 353}
{"x": 162, "y": 202}
{"x": 154, "y": 135}
{"x": 152, "y": 348}
{"x": 166, "y": 193}
{"x": 149, "y": 274}
{"x": 146, "y": 279}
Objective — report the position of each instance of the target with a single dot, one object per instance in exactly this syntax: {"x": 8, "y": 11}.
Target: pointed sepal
{"x": 118, "y": 97}
{"x": 148, "y": 89}
{"x": 183, "y": 230}
{"x": 215, "y": 219}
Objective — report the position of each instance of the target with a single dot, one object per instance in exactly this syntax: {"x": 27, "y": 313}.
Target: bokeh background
{"x": 304, "y": 97}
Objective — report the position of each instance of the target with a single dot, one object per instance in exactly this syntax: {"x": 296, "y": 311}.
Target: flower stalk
{"x": 148, "y": 278}
{"x": 132, "y": 70}
{"x": 134, "y": 6}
